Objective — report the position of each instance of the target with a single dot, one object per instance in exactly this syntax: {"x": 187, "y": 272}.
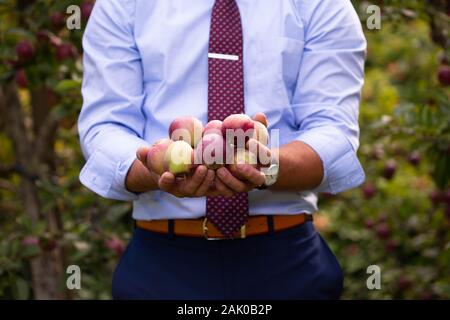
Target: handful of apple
{"x": 216, "y": 145}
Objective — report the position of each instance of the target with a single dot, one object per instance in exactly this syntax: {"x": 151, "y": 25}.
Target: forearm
{"x": 139, "y": 179}
{"x": 300, "y": 168}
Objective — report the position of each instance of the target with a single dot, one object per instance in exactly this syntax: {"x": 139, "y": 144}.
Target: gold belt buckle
{"x": 207, "y": 237}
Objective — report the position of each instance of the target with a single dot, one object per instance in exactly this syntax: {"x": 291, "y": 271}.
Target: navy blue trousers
{"x": 292, "y": 264}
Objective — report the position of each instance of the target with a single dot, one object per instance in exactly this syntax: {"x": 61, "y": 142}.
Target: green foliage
{"x": 405, "y": 113}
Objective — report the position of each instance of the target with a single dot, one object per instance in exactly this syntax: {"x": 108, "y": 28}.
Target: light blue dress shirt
{"x": 146, "y": 63}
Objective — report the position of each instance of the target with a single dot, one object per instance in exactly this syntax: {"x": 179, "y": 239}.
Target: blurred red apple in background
{"x": 414, "y": 158}
{"x": 43, "y": 37}
{"x": 116, "y": 245}
{"x": 21, "y": 78}
{"x": 369, "y": 190}
{"x": 57, "y": 20}
{"x": 390, "y": 169}
{"x": 86, "y": 9}
{"x": 383, "y": 231}
{"x": 25, "y": 50}
{"x": 65, "y": 51}
{"x": 444, "y": 75}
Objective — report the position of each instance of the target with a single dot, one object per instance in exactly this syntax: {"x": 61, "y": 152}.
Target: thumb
{"x": 142, "y": 153}
{"x": 261, "y": 117}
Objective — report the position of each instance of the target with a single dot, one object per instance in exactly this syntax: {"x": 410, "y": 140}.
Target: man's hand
{"x": 201, "y": 183}
{"x": 252, "y": 177}
{"x": 196, "y": 185}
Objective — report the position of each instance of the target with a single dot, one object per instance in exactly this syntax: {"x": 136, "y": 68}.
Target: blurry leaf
{"x": 118, "y": 211}
{"x": 30, "y": 251}
{"x": 66, "y": 85}
{"x": 21, "y": 289}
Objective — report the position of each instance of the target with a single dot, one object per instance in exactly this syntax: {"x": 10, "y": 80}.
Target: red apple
{"x": 116, "y": 245}
{"x": 414, "y": 158}
{"x": 65, "y": 51}
{"x": 261, "y": 133}
{"x": 25, "y": 50}
{"x": 390, "y": 169}
{"x": 21, "y": 78}
{"x": 242, "y": 156}
{"x": 237, "y": 129}
{"x": 179, "y": 158}
{"x": 383, "y": 231}
{"x": 156, "y": 154}
{"x": 86, "y": 9}
{"x": 212, "y": 151}
{"x": 369, "y": 190}
{"x": 43, "y": 37}
{"x": 187, "y": 129}
{"x": 57, "y": 20}
{"x": 444, "y": 75}
{"x": 214, "y": 126}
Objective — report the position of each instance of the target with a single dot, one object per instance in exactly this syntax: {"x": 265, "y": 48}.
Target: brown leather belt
{"x": 256, "y": 225}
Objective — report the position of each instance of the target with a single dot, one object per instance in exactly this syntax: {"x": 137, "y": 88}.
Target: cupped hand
{"x": 198, "y": 184}
{"x": 250, "y": 178}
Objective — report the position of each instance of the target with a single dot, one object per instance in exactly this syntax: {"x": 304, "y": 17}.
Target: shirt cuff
{"x": 106, "y": 169}
{"x": 342, "y": 169}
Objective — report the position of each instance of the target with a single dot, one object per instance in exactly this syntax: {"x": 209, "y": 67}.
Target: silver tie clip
{"x": 231, "y": 57}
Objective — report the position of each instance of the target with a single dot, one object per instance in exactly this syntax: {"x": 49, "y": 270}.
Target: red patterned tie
{"x": 225, "y": 97}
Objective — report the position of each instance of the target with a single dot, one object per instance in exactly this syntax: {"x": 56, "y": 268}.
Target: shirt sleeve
{"x": 111, "y": 122}
{"x": 326, "y": 100}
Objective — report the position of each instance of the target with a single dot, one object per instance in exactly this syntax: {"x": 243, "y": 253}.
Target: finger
{"x": 230, "y": 181}
{"x": 193, "y": 183}
{"x": 263, "y": 153}
{"x": 261, "y": 117}
{"x": 222, "y": 189}
{"x": 141, "y": 154}
{"x": 166, "y": 182}
{"x": 251, "y": 174}
{"x": 206, "y": 185}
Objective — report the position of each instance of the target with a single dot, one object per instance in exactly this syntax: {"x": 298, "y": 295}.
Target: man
{"x": 299, "y": 62}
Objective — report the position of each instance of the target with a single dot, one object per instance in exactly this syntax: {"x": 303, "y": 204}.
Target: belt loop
{"x": 270, "y": 225}
{"x": 171, "y": 228}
